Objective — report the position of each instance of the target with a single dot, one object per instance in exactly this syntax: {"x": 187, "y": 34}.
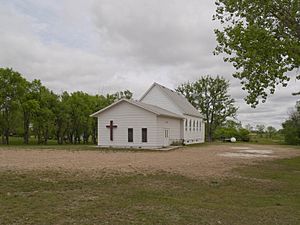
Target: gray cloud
{"x": 108, "y": 45}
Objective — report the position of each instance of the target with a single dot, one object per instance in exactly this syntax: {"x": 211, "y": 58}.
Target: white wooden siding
{"x": 125, "y": 116}
{"x": 156, "y": 97}
{"x": 192, "y": 135}
{"x": 173, "y": 125}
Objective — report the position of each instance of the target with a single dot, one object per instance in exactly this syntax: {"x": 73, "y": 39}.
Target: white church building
{"x": 161, "y": 117}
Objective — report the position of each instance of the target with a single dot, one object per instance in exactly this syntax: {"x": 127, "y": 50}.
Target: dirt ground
{"x": 202, "y": 161}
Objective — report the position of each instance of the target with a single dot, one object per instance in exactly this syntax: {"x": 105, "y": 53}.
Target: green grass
{"x": 267, "y": 193}
{"x": 274, "y": 140}
{"x": 32, "y": 141}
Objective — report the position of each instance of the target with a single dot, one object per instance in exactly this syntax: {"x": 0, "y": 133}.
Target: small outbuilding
{"x": 160, "y": 118}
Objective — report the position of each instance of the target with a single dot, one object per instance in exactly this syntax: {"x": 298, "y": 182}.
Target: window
{"x": 186, "y": 125}
{"x": 200, "y": 126}
{"x": 190, "y": 125}
{"x": 166, "y": 133}
{"x": 197, "y": 125}
{"x": 194, "y": 125}
{"x": 144, "y": 134}
{"x": 130, "y": 134}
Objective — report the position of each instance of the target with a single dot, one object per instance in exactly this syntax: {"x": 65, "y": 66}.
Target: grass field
{"x": 267, "y": 193}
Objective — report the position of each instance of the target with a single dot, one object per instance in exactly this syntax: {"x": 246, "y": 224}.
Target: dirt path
{"x": 212, "y": 160}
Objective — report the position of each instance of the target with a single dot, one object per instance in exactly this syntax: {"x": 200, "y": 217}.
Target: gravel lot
{"x": 202, "y": 161}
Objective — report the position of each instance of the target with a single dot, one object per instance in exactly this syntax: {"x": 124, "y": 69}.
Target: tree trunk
{"x": 94, "y": 133}
{"x": 6, "y": 128}
{"x": 39, "y": 136}
{"x": 3, "y": 138}
{"x": 209, "y": 133}
{"x": 26, "y": 128}
{"x": 70, "y": 137}
{"x": 86, "y": 137}
{"x": 57, "y": 138}
{"x": 58, "y": 134}
{"x": 46, "y": 136}
{"x": 7, "y": 136}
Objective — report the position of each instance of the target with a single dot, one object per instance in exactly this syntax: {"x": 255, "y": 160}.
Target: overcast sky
{"x": 101, "y": 46}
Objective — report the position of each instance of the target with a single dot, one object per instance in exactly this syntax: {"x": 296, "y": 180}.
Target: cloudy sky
{"x": 101, "y": 46}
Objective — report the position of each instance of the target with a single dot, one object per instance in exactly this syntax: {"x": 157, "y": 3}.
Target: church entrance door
{"x": 166, "y": 137}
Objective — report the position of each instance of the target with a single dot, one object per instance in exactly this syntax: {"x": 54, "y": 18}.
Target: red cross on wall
{"x": 111, "y": 126}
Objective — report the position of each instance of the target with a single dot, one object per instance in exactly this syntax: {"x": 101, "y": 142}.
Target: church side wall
{"x": 173, "y": 125}
{"x": 125, "y": 116}
{"x": 194, "y": 134}
{"x": 156, "y": 97}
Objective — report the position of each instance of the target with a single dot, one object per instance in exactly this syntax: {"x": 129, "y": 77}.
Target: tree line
{"x": 31, "y": 109}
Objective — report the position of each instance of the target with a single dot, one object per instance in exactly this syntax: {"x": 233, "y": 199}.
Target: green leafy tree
{"x": 261, "y": 38}
{"x": 232, "y": 129}
{"x": 122, "y": 94}
{"x": 43, "y": 122}
{"x": 61, "y": 118}
{"x": 249, "y": 127}
{"x": 12, "y": 87}
{"x": 291, "y": 127}
{"x": 78, "y": 108}
{"x": 260, "y": 128}
{"x": 210, "y": 96}
{"x": 29, "y": 105}
{"x": 271, "y": 131}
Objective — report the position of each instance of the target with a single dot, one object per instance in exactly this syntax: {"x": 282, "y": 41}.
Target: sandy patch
{"x": 211, "y": 160}
{"x": 253, "y": 151}
{"x": 239, "y": 148}
{"x": 245, "y": 155}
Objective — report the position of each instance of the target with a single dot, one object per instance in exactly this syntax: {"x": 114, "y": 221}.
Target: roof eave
{"x": 177, "y": 117}
{"x": 199, "y": 116}
{"x": 122, "y": 100}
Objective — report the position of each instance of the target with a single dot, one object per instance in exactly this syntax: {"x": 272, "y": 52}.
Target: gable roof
{"x": 150, "y": 108}
{"x": 178, "y": 99}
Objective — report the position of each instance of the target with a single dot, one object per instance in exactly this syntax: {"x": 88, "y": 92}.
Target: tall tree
{"x": 261, "y": 38}
{"x": 62, "y": 118}
{"x": 43, "y": 122}
{"x": 29, "y": 105}
{"x": 78, "y": 104}
{"x": 271, "y": 131}
{"x": 260, "y": 128}
{"x": 12, "y": 87}
{"x": 210, "y": 96}
{"x": 291, "y": 127}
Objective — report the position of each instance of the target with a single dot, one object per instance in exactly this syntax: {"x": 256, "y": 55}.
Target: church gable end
{"x": 155, "y": 96}
{"x": 170, "y": 100}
